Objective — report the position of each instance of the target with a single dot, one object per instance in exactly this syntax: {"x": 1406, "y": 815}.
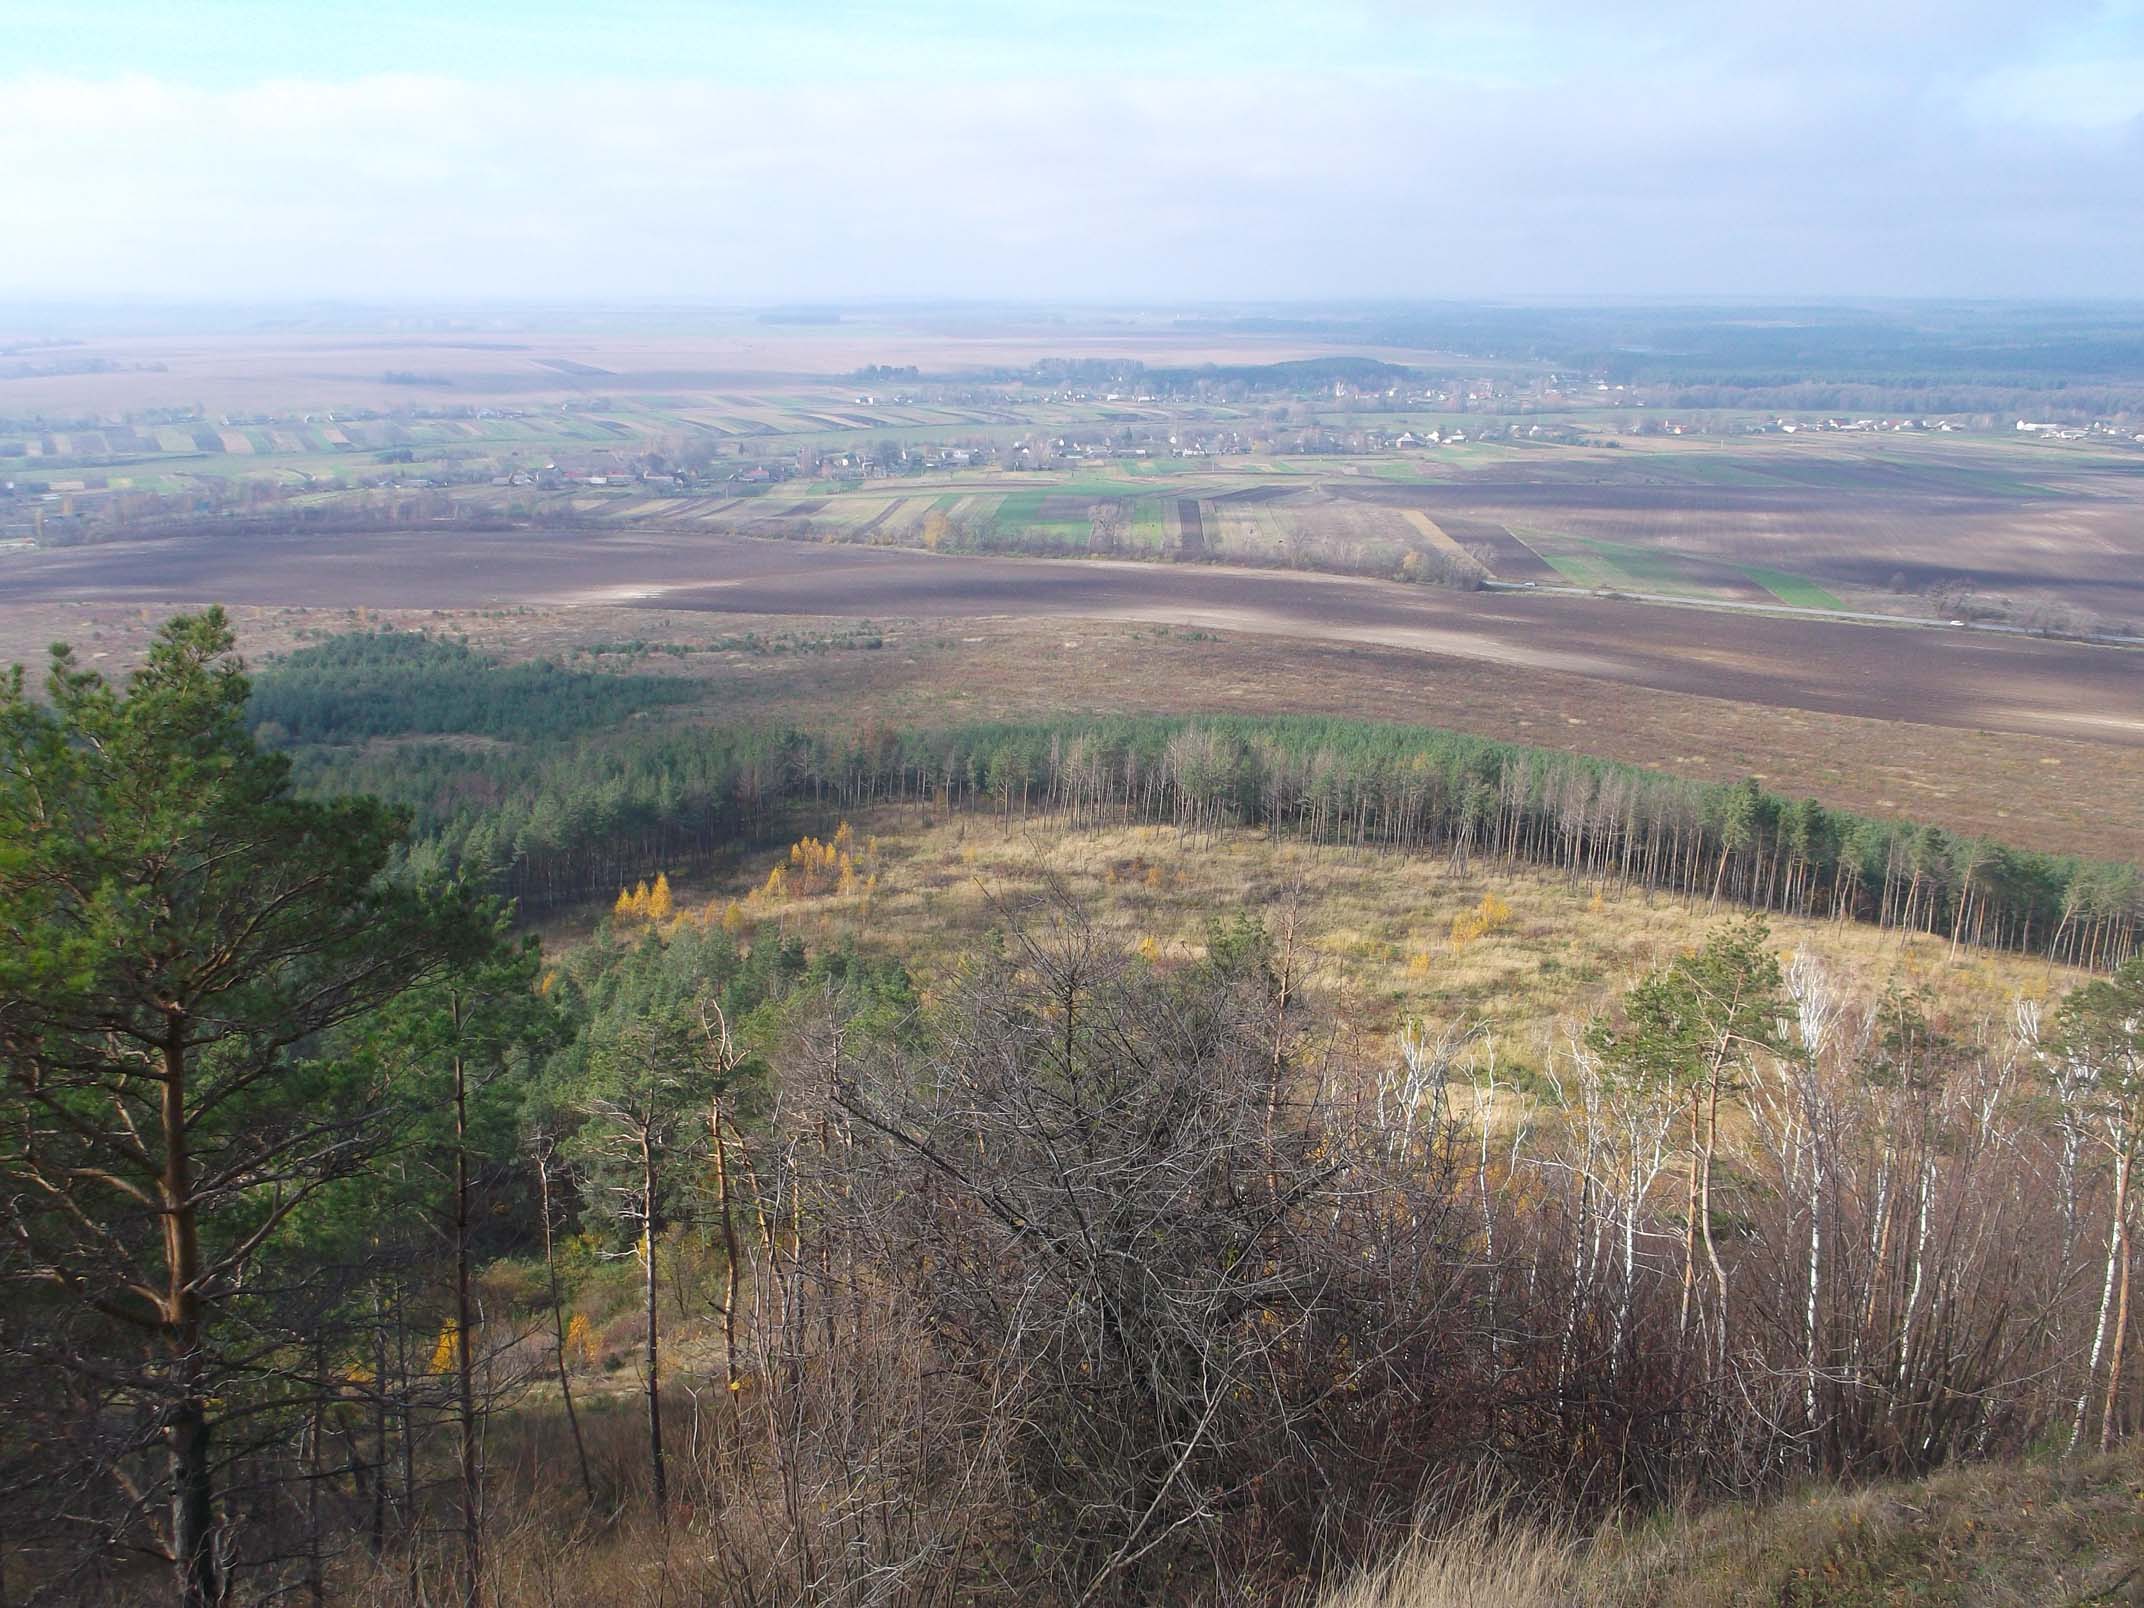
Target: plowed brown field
{"x": 1932, "y": 676}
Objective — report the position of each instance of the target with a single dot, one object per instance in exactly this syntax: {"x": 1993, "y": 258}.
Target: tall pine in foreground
{"x": 176, "y": 931}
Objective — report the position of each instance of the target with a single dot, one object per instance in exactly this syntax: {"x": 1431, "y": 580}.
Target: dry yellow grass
{"x": 1514, "y": 949}
{"x": 1996, "y": 1535}
{"x": 1478, "y": 1562}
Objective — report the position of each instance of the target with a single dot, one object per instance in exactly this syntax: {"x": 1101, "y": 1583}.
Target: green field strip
{"x": 1023, "y": 509}
{"x": 1797, "y": 590}
{"x": 1147, "y": 527}
{"x": 1580, "y": 560}
{"x": 1096, "y": 488}
{"x": 1578, "y": 569}
{"x": 1642, "y": 569}
{"x": 1592, "y": 563}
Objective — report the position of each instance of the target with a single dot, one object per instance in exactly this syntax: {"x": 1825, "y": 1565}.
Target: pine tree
{"x": 1695, "y": 1027}
{"x": 181, "y": 927}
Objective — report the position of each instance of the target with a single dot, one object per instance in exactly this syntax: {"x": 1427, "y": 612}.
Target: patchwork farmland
{"x": 748, "y": 429}
{"x": 2076, "y": 545}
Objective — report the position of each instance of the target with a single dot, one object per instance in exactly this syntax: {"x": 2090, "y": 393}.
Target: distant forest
{"x": 554, "y": 823}
{"x": 1950, "y": 356}
{"x": 364, "y": 684}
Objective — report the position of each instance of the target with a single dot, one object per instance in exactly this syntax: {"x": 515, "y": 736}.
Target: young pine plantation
{"x": 1189, "y": 1185}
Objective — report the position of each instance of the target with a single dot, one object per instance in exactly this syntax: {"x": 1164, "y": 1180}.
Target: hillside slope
{"x": 1992, "y": 1536}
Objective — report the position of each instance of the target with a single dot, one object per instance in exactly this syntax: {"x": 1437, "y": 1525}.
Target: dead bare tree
{"x": 1083, "y": 1154}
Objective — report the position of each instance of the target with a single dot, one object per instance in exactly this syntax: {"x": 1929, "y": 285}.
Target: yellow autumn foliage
{"x": 644, "y": 903}
{"x": 1491, "y": 916}
{"x": 446, "y": 1355}
{"x": 581, "y": 1341}
{"x": 838, "y": 865}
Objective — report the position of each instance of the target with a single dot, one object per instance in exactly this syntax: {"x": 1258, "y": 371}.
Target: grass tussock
{"x": 1479, "y": 1561}
{"x": 2000, "y": 1535}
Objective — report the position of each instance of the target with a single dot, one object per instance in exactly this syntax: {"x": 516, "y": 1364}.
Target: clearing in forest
{"x": 1515, "y": 949}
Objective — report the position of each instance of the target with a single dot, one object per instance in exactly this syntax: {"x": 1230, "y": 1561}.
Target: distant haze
{"x": 223, "y": 150}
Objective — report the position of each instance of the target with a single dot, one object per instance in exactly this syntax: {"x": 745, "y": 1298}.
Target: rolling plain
{"x": 815, "y": 689}
{"x": 1925, "y": 675}
{"x": 1027, "y": 540}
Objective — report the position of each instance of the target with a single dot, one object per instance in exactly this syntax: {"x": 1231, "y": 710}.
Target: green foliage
{"x": 559, "y": 821}
{"x": 1239, "y": 947}
{"x": 170, "y": 902}
{"x": 1910, "y": 1050}
{"x": 2106, "y": 1016}
{"x": 2100, "y": 1030}
{"x": 1700, "y": 1020}
{"x": 488, "y": 1015}
{"x": 392, "y": 683}
{"x": 640, "y": 1101}
{"x": 692, "y": 975}
{"x": 183, "y": 934}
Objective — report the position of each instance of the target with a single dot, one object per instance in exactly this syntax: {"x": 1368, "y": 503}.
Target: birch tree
{"x": 2099, "y": 1035}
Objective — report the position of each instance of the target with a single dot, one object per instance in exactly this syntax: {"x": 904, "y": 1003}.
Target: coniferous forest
{"x": 360, "y": 1251}
{"x": 556, "y": 821}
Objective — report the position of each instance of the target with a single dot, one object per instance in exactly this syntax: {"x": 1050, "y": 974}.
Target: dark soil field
{"x": 1193, "y": 526}
{"x": 2036, "y": 535}
{"x": 1943, "y": 677}
{"x": 2030, "y": 524}
{"x": 1509, "y": 558}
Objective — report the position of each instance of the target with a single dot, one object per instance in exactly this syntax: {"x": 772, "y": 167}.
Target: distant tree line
{"x": 553, "y": 827}
{"x": 360, "y": 685}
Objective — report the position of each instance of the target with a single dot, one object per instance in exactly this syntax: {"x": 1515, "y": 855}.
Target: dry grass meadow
{"x": 1513, "y": 951}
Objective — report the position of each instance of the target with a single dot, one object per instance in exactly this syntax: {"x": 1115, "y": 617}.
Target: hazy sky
{"x": 749, "y": 152}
